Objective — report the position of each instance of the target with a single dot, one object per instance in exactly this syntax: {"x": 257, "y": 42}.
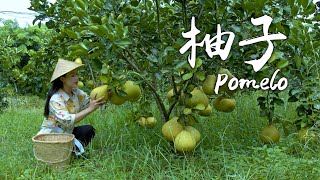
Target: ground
{"x": 229, "y": 149}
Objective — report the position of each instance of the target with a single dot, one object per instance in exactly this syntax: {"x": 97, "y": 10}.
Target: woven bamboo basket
{"x": 54, "y": 148}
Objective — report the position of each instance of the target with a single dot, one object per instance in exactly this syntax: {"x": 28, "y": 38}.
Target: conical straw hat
{"x": 63, "y": 67}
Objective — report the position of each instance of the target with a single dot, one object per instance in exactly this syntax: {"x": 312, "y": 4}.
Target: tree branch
{"x": 135, "y": 59}
{"x": 153, "y": 90}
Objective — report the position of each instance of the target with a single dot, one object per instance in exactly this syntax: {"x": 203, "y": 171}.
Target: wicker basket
{"x": 54, "y": 148}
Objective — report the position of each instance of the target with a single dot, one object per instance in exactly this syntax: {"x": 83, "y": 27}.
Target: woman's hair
{"x": 55, "y": 86}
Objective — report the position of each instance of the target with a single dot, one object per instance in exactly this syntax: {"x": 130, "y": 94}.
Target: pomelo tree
{"x": 140, "y": 40}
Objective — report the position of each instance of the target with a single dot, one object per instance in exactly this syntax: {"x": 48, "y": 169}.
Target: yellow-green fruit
{"x": 269, "y": 134}
{"x": 171, "y": 129}
{"x": 100, "y": 91}
{"x": 142, "y": 121}
{"x": 305, "y": 136}
{"x": 90, "y": 84}
{"x": 207, "y": 111}
{"x": 171, "y": 93}
{"x": 209, "y": 84}
{"x": 224, "y": 87}
{"x": 80, "y": 84}
{"x": 116, "y": 98}
{"x": 151, "y": 122}
{"x": 74, "y": 20}
{"x": 194, "y": 132}
{"x": 78, "y": 60}
{"x": 133, "y": 91}
{"x": 198, "y": 97}
{"x": 184, "y": 142}
{"x": 224, "y": 104}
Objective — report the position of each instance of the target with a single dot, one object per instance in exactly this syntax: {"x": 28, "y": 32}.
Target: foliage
{"x": 141, "y": 39}
{"x": 23, "y": 52}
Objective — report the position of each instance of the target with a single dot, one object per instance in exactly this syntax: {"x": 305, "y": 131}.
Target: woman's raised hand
{"x": 95, "y": 103}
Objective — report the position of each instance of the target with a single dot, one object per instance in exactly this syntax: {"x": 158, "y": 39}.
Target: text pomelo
{"x": 265, "y": 84}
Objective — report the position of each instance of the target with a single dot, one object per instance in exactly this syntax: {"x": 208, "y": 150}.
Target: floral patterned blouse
{"x": 62, "y": 110}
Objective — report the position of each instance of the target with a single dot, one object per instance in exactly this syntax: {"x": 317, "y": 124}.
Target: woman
{"x": 66, "y": 105}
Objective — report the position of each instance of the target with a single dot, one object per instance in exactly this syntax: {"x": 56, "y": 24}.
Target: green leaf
{"x": 96, "y": 31}
{"x": 317, "y": 106}
{"x": 71, "y": 34}
{"x": 103, "y": 29}
{"x": 278, "y": 101}
{"x": 180, "y": 64}
{"x": 152, "y": 58}
{"x": 187, "y": 76}
{"x": 290, "y": 2}
{"x": 78, "y": 52}
{"x": 305, "y": 3}
{"x": 310, "y": 10}
{"x": 95, "y": 19}
{"x": 275, "y": 55}
{"x": 200, "y": 107}
{"x": 104, "y": 71}
{"x": 103, "y": 79}
{"x": 282, "y": 64}
{"x": 119, "y": 29}
{"x": 125, "y": 31}
{"x": 295, "y": 91}
{"x": 294, "y": 10}
{"x": 110, "y": 36}
{"x": 123, "y": 42}
{"x": 81, "y": 4}
{"x": 200, "y": 75}
{"x": 134, "y": 3}
{"x": 187, "y": 111}
{"x": 198, "y": 62}
{"x": 84, "y": 46}
{"x": 297, "y": 61}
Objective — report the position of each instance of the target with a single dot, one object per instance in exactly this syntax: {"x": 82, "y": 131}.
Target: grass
{"x": 229, "y": 149}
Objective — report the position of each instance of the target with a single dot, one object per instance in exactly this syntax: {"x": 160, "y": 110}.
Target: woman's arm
{"x": 94, "y": 104}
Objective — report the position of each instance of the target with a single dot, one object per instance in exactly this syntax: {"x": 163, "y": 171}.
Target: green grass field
{"x": 229, "y": 149}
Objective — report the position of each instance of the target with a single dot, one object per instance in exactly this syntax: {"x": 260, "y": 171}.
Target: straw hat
{"x": 63, "y": 67}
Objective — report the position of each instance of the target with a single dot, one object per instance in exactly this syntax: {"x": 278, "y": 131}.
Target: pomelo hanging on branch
{"x": 207, "y": 111}
{"x": 194, "y": 132}
{"x": 100, "y": 91}
{"x": 224, "y": 104}
{"x": 171, "y": 129}
{"x": 80, "y": 84}
{"x": 171, "y": 95}
{"x": 116, "y": 98}
{"x": 224, "y": 87}
{"x": 197, "y": 100}
{"x": 209, "y": 84}
{"x": 184, "y": 141}
{"x": 133, "y": 91}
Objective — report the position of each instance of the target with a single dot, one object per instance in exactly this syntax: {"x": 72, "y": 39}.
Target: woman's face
{"x": 70, "y": 80}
